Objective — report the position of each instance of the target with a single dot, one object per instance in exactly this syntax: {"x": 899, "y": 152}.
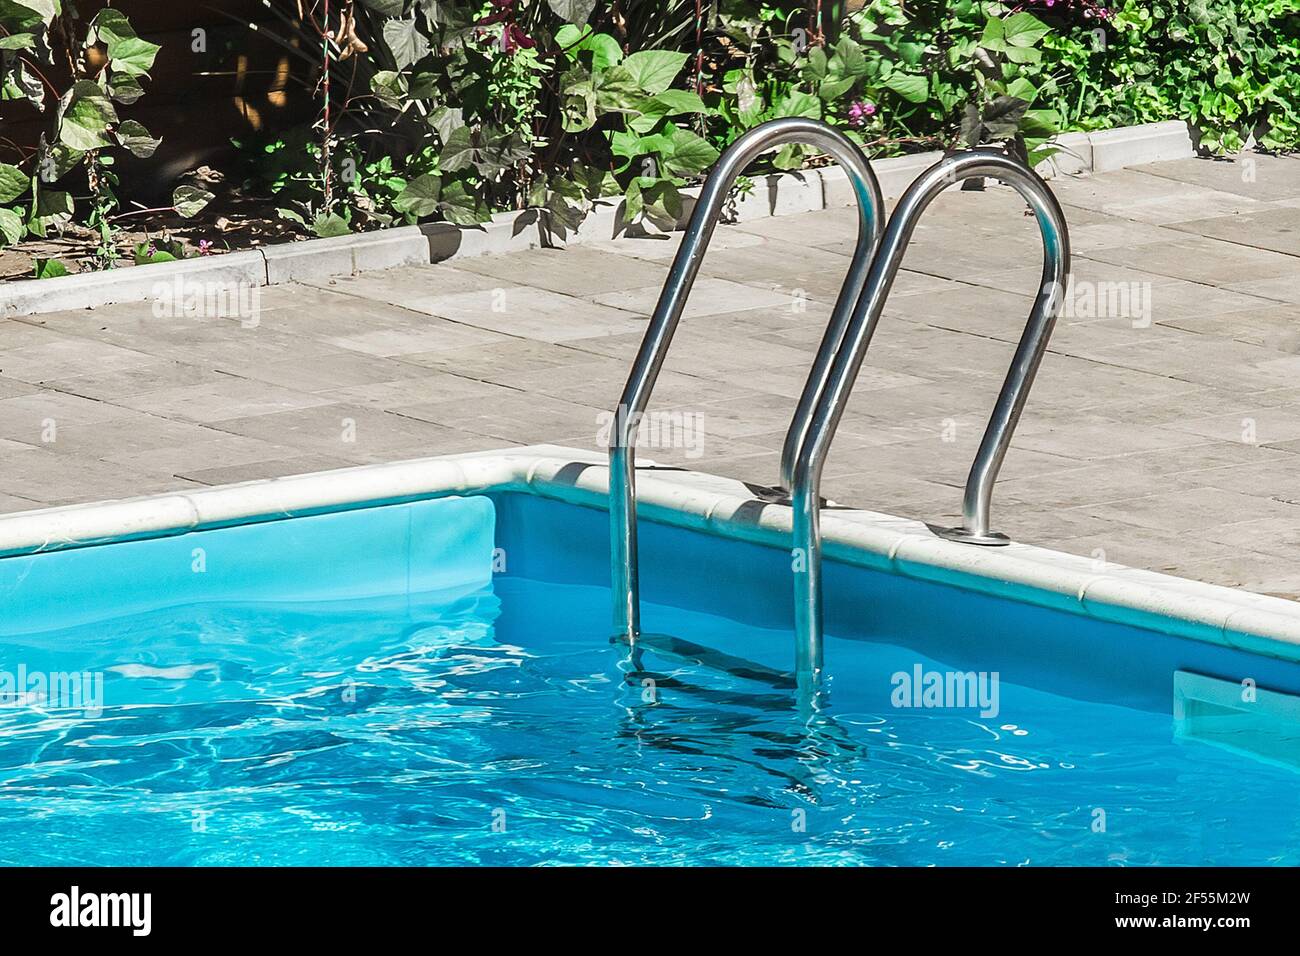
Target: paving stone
{"x": 709, "y": 296}
{"x": 409, "y": 288}
{"x": 1275, "y": 229}
{"x": 1191, "y": 509}
{"x": 1276, "y": 327}
{"x": 11, "y": 388}
{"x": 803, "y": 229}
{"x": 37, "y": 419}
{"x": 535, "y": 313}
{"x": 578, "y": 271}
{"x": 64, "y": 355}
{"x": 1140, "y": 196}
{"x": 223, "y": 400}
{"x": 660, "y": 248}
{"x": 1200, "y": 259}
{"x": 518, "y": 418}
{"x": 113, "y": 386}
{"x": 262, "y": 470}
{"x": 431, "y": 386}
{"x": 1282, "y": 289}
{"x": 1263, "y": 426}
{"x": 1110, "y": 233}
{"x": 816, "y": 272}
{"x": 12, "y": 503}
{"x": 1249, "y": 174}
{"x": 354, "y": 433}
{"x": 124, "y": 436}
{"x": 326, "y": 370}
{"x": 502, "y": 356}
{"x": 182, "y": 458}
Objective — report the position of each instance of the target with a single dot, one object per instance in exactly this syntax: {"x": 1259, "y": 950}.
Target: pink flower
{"x": 860, "y": 112}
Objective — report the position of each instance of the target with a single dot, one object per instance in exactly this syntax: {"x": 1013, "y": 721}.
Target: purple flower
{"x": 860, "y": 112}
{"x": 512, "y": 35}
{"x": 205, "y": 247}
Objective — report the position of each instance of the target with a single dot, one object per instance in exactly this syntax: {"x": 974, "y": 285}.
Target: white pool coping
{"x": 722, "y": 506}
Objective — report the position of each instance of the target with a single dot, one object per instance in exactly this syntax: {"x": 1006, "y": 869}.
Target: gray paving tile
{"x": 354, "y": 433}
{"x": 227, "y": 398}
{"x": 1261, "y": 426}
{"x": 1283, "y": 288}
{"x": 1251, "y": 174}
{"x": 803, "y": 229}
{"x": 63, "y": 355}
{"x": 430, "y": 386}
{"x": 1275, "y": 229}
{"x": 535, "y": 313}
{"x": 1200, "y": 259}
{"x": 709, "y": 296}
{"x": 411, "y": 287}
{"x": 578, "y": 271}
{"x": 203, "y": 449}
{"x": 521, "y": 418}
{"x": 112, "y": 386}
{"x": 293, "y": 464}
{"x": 1143, "y": 197}
{"x": 1192, "y": 509}
{"x": 12, "y": 503}
{"x": 661, "y": 248}
{"x": 325, "y": 371}
{"x": 122, "y": 437}
{"x": 1274, "y": 327}
{"x": 503, "y": 355}
{"x": 11, "y": 388}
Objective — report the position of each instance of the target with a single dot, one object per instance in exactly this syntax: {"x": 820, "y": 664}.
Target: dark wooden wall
{"x": 244, "y": 83}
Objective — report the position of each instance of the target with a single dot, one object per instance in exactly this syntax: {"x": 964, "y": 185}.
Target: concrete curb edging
{"x": 1242, "y": 620}
{"x": 781, "y": 194}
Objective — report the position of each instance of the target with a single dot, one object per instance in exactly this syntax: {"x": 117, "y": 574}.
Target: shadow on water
{"x": 766, "y": 729}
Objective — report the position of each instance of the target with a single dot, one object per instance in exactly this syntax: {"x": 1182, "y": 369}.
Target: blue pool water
{"x": 490, "y": 720}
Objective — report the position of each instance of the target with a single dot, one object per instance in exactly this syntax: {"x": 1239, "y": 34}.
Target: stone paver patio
{"x": 1163, "y": 431}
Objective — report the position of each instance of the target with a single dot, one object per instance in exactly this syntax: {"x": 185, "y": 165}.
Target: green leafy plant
{"x": 461, "y": 109}
{"x": 104, "y": 61}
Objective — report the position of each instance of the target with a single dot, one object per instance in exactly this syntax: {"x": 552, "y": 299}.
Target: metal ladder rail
{"x": 668, "y": 312}
{"x": 831, "y": 403}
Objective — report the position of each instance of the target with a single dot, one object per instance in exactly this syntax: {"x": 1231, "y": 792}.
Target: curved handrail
{"x": 668, "y": 312}
{"x": 848, "y": 361}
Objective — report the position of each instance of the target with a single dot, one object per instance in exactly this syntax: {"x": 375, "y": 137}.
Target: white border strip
{"x": 719, "y": 506}
{"x": 779, "y": 194}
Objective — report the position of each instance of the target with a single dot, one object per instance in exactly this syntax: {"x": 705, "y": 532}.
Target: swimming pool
{"x": 411, "y": 664}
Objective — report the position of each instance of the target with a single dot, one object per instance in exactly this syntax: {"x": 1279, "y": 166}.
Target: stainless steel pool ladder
{"x": 668, "y": 312}
{"x": 839, "y": 359}
{"x": 833, "y": 395}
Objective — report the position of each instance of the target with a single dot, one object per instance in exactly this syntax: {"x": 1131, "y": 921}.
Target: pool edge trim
{"x": 725, "y": 507}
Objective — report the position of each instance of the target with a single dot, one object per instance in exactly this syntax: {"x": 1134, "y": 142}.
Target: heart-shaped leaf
{"x": 85, "y": 114}
{"x": 13, "y": 182}
{"x": 11, "y": 227}
{"x": 407, "y": 44}
{"x": 420, "y": 196}
{"x": 190, "y": 200}
{"x": 653, "y": 71}
{"x": 135, "y": 138}
{"x": 572, "y": 11}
